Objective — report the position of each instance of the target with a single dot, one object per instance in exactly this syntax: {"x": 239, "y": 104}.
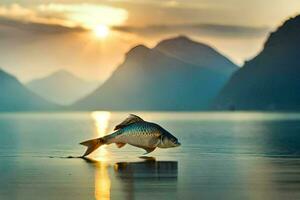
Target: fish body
{"x": 136, "y": 132}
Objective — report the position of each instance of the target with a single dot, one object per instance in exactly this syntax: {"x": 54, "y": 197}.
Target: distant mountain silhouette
{"x": 271, "y": 81}
{"x": 196, "y": 53}
{"x": 62, "y": 87}
{"x": 16, "y": 97}
{"x": 154, "y": 79}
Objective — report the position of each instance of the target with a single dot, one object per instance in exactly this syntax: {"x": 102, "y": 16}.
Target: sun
{"x": 101, "y": 31}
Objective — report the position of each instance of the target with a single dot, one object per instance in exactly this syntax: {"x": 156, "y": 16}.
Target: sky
{"x": 90, "y": 38}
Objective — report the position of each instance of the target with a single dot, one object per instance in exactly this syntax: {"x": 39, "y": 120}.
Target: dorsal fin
{"x": 129, "y": 120}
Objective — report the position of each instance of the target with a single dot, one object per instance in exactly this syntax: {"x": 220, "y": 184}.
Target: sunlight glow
{"x": 101, "y": 119}
{"x": 102, "y": 180}
{"x": 101, "y": 31}
{"x": 86, "y": 15}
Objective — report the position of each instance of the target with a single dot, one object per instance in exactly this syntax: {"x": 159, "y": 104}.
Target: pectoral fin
{"x": 120, "y": 145}
{"x": 149, "y": 150}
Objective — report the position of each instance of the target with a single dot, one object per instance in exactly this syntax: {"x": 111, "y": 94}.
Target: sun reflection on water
{"x": 102, "y": 180}
{"x": 101, "y": 119}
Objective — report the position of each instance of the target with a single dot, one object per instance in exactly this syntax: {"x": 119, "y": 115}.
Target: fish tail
{"x": 92, "y": 145}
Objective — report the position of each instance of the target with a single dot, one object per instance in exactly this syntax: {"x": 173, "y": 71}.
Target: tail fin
{"x": 92, "y": 145}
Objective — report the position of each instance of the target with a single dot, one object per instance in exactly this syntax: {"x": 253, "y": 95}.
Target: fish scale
{"x": 136, "y": 132}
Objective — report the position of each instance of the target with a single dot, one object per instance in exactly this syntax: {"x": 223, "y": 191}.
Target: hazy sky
{"x": 90, "y": 37}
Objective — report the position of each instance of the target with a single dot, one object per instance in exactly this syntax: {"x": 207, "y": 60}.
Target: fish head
{"x": 168, "y": 141}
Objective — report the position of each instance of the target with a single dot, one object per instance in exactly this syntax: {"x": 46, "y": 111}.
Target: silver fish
{"x": 136, "y": 132}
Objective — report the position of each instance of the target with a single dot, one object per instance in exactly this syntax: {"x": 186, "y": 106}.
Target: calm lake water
{"x": 223, "y": 156}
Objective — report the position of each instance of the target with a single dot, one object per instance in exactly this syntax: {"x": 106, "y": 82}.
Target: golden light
{"x": 101, "y": 122}
{"x": 102, "y": 180}
{"x": 101, "y": 31}
{"x": 86, "y": 15}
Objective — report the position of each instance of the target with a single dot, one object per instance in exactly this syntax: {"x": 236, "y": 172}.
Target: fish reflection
{"x": 131, "y": 180}
{"x": 149, "y": 168}
{"x": 138, "y": 178}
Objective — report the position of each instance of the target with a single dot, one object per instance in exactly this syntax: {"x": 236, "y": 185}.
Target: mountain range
{"x": 14, "y": 96}
{"x": 170, "y": 76}
{"x": 177, "y": 74}
{"x": 62, "y": 87}
{"x": 270, "y": 81}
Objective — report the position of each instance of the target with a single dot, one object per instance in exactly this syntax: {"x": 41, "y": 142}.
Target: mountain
{"x": 150, "y": 79}
{"x": 195, "y": 53}
{"x": 16, "y": 97}
{"x": 270, "y": 81}
{"x": 62, "y": 87}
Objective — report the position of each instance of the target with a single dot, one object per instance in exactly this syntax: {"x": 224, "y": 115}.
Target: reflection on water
{"x": 128, "y": 174}
{"x": 101, "y": 120}
{"x": 269, "y": 178}
{"x": 132, "y": 179}
{"x": 102, "y": 180}
{"x": 149, "y": 169}
{"x": 223, "y": 156}
{"x": 137, "y": 178}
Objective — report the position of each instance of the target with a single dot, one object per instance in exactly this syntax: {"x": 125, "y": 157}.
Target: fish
{"x": 136, "y": 132}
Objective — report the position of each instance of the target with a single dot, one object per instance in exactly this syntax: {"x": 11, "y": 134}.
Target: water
{"x": 223, "y": 156}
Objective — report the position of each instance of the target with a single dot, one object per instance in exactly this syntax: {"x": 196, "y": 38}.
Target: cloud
{"x": 59, "y": 18}
{"x": 85, "y": 15}
{"x": 16, "y": 12}
{"x": 13, "y": 27}
{"x": 38, "y": 20}
{"x": 197, "y": 29}
{"x": 68, "y": 15}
